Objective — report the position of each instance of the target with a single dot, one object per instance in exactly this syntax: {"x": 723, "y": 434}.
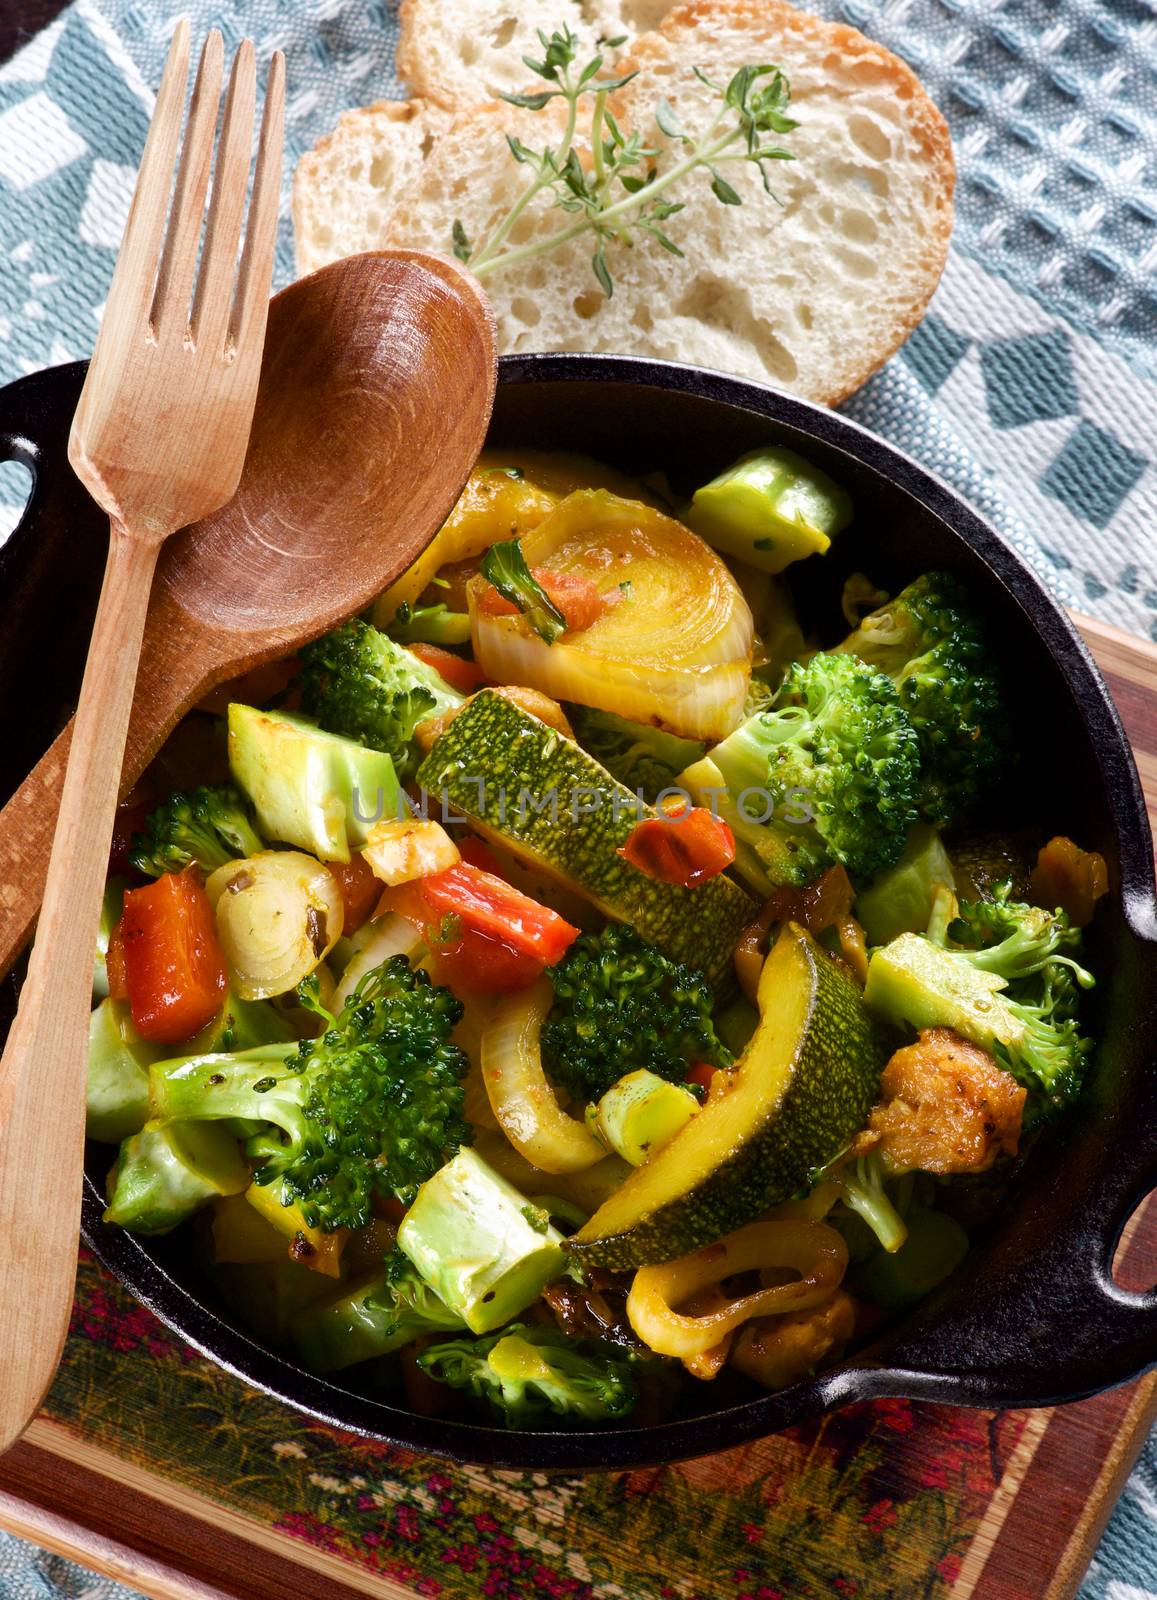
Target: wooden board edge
{"x": 109, "y": 1558}
{"x": 1114, "y": 650}
{"x": 975, "y": 1564}
{"x": 1115, "y": 1469}
{"x": 69, "y": 1461}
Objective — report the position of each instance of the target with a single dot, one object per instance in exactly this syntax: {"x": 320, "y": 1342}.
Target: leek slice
{"x": 508, "y": 493}
{"x": 278, "y": 915}
{"x": 673, "y": 646}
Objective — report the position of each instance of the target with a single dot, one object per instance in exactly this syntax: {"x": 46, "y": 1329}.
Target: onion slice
{"x": 523, "y": 1102}
{"x": 279, "y": 914}
{"x": 813, "y": 1250}
{"x": 673, "y": 644}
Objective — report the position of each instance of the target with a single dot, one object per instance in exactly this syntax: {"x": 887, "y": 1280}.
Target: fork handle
{"x": 42, "y": 1071}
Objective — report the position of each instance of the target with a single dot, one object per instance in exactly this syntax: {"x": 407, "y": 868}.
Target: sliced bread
{"x": 812, "y": 294}
{"x": 346, "y": 187}
{"x": 460, "y": 53}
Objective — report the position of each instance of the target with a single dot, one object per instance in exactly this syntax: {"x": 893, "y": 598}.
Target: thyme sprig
{"x": 622, "y": 193}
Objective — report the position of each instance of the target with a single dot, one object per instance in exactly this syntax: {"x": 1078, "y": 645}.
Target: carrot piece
{"x": 174, "y": 969}
{"x": 459, "y": 672}
{"x": 578, "y": 598}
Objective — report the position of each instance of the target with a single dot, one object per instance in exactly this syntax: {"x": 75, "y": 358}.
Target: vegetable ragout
{"x": 580, "y": 981}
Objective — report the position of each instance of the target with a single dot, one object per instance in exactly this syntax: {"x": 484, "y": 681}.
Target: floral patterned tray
{"x": 152, "y": 1465}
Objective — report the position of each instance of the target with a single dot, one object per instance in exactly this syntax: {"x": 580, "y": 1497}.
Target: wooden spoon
{"x": 375, "y": 396}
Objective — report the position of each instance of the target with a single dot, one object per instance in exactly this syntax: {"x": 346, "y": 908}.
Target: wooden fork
{"x": 158, "y": 439}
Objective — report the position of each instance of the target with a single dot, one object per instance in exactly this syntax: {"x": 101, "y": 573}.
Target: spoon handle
{"x": 43, "y": 1065}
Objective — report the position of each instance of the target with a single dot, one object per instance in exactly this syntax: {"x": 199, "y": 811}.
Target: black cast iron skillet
{"x": 1033, "y": 1317}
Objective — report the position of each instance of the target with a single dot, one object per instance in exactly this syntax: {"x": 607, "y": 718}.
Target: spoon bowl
{"x": 375, "y": 395}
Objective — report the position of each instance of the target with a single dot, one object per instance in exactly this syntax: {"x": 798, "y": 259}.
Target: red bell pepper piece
{"x": 360, "y": 890}
{"x": 686, "y": 848}
{"x": 174, "y": 969}
{"x": 114, "y": 964}
{"x": 470, "y": 962}
{"x": 486, "y": 936}
{"x": 458, "y": 671}
{"x": 491, "y": 906}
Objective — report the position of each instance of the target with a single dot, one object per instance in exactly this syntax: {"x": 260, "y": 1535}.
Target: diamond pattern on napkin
{"x": 36, "y": 139}
{"x": 1093, "y": 474}
{"x": 1029, "y": 379}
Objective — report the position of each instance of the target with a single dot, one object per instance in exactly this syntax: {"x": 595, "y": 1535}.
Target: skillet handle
{"x": 50, "y": 571}
{"x": 50, "y": 574}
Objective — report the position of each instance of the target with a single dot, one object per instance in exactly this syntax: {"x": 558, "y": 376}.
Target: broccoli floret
{"x": 1017, "y": 940}
{"x": 435, "y": 624}
{"x": 828, "y": 773}
{"x": 374, "y": 1318}
{"x": 862, "y": 1190}
{"x": 373, "y": 1106}
{"x": 931, "y": 643}
{"x": 1009, "y": 982}
{"x": 357, "y": 682}
{"x": 530, "y": 1374}
{"x": 621, "y": 1005}
{"x": 210, "y": 826}
{"x": 645, "y": 759}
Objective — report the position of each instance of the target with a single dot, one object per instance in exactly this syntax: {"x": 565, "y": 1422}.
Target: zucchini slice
{"x": 804, "y": 1085}
{"x": 528, "y": 787}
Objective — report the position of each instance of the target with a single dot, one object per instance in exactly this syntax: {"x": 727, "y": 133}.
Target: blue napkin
{"x": 1031, "y": 385}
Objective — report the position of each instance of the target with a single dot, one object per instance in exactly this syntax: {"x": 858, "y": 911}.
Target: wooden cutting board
{"x": 142, "y": 1468}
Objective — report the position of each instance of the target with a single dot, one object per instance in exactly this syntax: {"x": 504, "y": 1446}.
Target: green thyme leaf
{"x": 669, "y": 122}
{"x": 723, "y": 191}
{"x": 461, "y": 242}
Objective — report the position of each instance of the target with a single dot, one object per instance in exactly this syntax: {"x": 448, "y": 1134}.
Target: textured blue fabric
{"x": 1031, "y": 385}
{"x": 27, "y": 1573}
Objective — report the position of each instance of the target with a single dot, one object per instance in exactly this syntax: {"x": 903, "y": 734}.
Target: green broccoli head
{"x": 210, "y": 826}
{"x": 619, "y": 1005}
{"x": 372, "y": 1106}
{"x": 828, "y": 773}
{"x": 1017, "y": 940}
{"x": 932, "y": 644}
{"x": 359, "y": 683}
{"x": 645, "y": 759}
{"x": 1035, "y": 952}
{"x": 529, "y": 1375}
